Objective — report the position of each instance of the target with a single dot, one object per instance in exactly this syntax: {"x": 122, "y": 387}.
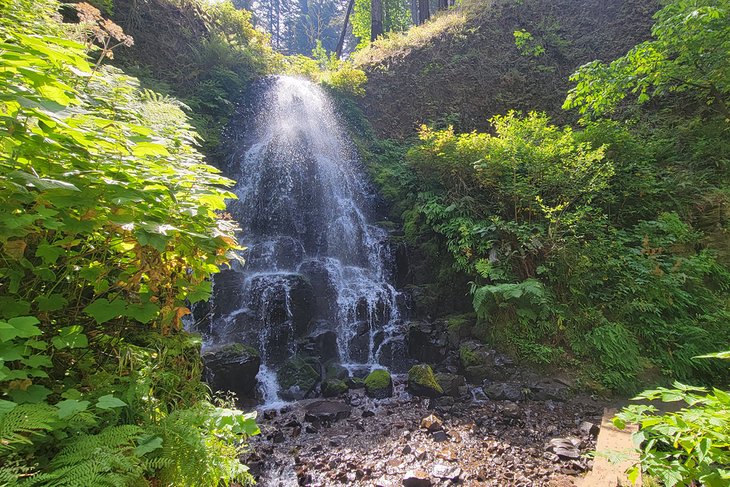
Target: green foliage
{"x": 689, "y": 54}
{"x": 396, "y": 18}
{"x": 339, "y": 76}
{"x": 109, "y": 223}
{"x": 686, "y": 447}
{"x": 527, "y": 44}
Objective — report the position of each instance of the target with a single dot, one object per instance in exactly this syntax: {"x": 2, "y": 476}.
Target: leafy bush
{"x": 109, "y": 226}
{"x": 684, "y": 447}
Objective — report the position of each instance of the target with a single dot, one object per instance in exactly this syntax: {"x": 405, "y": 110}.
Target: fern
{"x": 104, "y": 459}
{"x": 20, "y": 423}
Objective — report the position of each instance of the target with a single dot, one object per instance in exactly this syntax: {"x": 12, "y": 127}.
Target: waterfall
{"x": 316, "y": 265}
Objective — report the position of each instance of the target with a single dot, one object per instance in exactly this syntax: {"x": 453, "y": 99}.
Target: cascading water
{"x": 315, "y": 265}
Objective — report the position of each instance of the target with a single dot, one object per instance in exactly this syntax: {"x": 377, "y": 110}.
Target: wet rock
{"x": 452, "y": 384}
{"x": 421, "y": 344}
{"x": 368, "y": 414}
{"x": 422, "y": 381}
{"x": 232, "y": 367}
{"x": 432, "y": 423}
{"x": 334, "y": 370}
{"x": 333, "y": 387}
{"x": 324, "y": 345}
{"x": 504, "y": 391}
{"x": 416, "y": 478}
{"x": 448, "y": 472}
{"x": 326, "y": 411}
{"x": 297, "y": 378}
{"x": 379, "y": 384}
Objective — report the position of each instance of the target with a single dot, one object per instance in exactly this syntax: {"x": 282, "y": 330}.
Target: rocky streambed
{"x": 407, "y": 440}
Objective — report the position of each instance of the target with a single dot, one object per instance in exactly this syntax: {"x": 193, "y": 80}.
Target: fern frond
{"x": 18, "y": 425}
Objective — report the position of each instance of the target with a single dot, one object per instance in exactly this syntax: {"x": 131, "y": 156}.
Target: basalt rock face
{"x": 316, "y": 283}
{"x": 232, "y": 367}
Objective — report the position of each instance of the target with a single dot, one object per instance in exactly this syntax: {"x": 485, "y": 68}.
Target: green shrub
{"x": 110, "y": 226}
{"x": 684, "y": 447}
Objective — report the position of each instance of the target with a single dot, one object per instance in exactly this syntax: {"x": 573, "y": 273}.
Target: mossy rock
{"x": 334, "y": 370}
{"x": 379, "y": 384}
{"x": 334, "y": 387}
{"x": 232, "y": 367}
{"x": 297, "y": 377}
{"x": 422, "y": 381}
{"x": 460, "y": 327}
{"x": 468, "y": 357}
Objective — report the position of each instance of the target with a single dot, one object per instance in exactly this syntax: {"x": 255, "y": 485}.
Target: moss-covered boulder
{"x": 334, "y": 387}
{"x": 379, "y": 384}
{"x": 333, "y": 370}
{"x": 422, "y": 381}
{"x": 460, "y": 327}
{"x": 297, "y": 378}
{"x": 232, "y": 367}
{"x": 475, "y": 361}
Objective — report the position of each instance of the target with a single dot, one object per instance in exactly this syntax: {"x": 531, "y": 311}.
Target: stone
{"x": 452, "y": 384}
{"x": 297, "y": 378}
{"x": 549, "y": 389}
{"x": 232, "y": 367}
{"x": 334, "y": 370}
{"x": 504, "y": 391}
{"x": 589, "y": 429}
{"x": 326, "y": 411}
{"x": 510, "y": 410}
{"x": 421, "y": 345}
{"x": 333, "y": 387}
{"x": 324, "y": 345}
{"x": 422, "y": 381}
{"x": 432, "y": 423}
{"x": 565, "y": 448}
{"x": 416, "y": 478}
{"x": 439, "y": 436}
{"x": 379, "y": 384}
{"x": 447, "y": 472}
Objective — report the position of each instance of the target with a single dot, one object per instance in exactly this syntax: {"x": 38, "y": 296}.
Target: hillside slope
{"x": 464, "y": 66}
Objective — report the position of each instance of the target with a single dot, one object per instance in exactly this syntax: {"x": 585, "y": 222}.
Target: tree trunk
{"x": 376, "y": 16}
{"x": 414, "y": 11}
{"x": 443, "y": 4}
{"x": 423, "y": 11}
{"x": 341, "y": 42}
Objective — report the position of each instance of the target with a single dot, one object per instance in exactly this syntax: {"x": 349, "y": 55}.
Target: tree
{"x": 341, "y": 41}
{"x": 689, "y": 54}
{"x": 376, "y": 19}
{"x": 423, "y": 11}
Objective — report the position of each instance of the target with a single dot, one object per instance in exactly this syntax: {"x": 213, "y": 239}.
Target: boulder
{"x": 550, "y": 389}
{"x": 297, "y": 378}
{"x": 379, "y": 384}
{"x": 452, "y": 384}
{"x": 422, "y": 381}
{"x": 422, "y": 345}
{"x": 333, "y": 370}
{"x": 232, "y": 367}
{"x": 504, "y": 391}
{"x": 333, "y": 387}
{"x": 326, "y": 411}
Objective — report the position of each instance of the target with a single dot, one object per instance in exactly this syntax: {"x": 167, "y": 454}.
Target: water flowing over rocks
{"x": 316, "y": 283}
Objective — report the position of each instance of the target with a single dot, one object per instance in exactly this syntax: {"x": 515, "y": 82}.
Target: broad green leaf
{"x": 102, "y": 310}
{"x": 33, "y": 394}
{"x": 6, "y": 406}
{"x": 70, "y": 337}
{"x": 22, "y": 326}
{"x": 69, "y": 407}
{"x": 148, "y": 445}
{"x": 109, "y": 402}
